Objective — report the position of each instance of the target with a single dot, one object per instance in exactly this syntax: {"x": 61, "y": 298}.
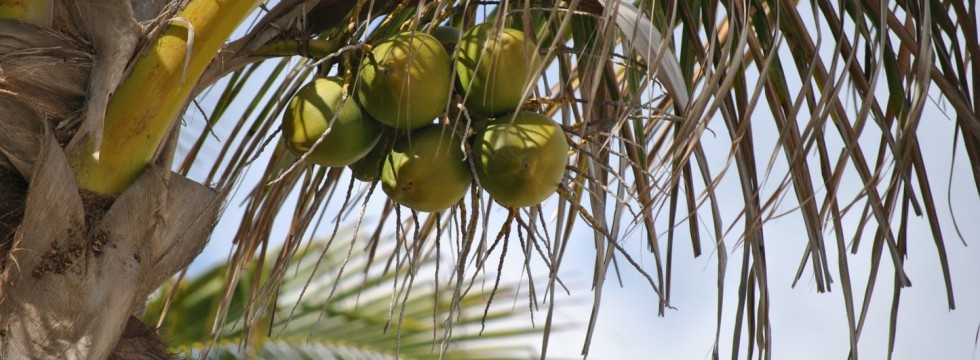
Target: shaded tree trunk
{"x": 76, "y": 266}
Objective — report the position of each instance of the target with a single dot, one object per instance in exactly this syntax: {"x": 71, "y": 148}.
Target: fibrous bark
{"x": 73, "y": 279}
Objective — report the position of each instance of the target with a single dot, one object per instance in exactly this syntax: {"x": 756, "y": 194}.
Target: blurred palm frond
{"x": 359, "y": 321}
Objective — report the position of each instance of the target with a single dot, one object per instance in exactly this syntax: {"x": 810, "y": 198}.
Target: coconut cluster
{"x": 386, "y": 131}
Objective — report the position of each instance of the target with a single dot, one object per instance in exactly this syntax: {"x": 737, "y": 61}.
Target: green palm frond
{"x": 362, "y": 319}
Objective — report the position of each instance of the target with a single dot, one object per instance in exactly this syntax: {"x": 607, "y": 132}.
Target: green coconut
{"x": 448, "y": 36}
{"x": 520, "y": 162}
{"x": 405, "y": 81}
{"x": 368, "y": 168}
{"x": 313, "y": 110}
{"x": 494, "y": 67}
{"x": 426, "y": 171}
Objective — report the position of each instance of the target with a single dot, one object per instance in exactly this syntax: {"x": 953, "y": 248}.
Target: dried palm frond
{"x": 644, "y": 91}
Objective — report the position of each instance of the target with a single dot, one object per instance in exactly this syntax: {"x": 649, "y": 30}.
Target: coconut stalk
{"x": 37, "y": 12}
{"x": 148, "y": 102}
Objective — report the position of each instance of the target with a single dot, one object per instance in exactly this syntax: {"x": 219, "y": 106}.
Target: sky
{"x": 806, "y": 324}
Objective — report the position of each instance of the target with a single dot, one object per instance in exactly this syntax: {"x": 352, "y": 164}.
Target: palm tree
{"x": 93, "y": 219}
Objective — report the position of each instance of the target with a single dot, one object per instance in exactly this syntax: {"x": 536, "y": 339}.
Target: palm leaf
{"x": 358, "y": 321}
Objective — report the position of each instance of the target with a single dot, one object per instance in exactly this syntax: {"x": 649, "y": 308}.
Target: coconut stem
{"x": 150, "y": 100}
{"x": 37, "y": 12}
{"x": 314, "y": 48}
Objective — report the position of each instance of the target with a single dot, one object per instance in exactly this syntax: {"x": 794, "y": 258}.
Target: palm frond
{"x": 363, "y": 318}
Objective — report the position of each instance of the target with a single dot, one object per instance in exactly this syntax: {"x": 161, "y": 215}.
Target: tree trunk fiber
{"x": 75, "y": 267}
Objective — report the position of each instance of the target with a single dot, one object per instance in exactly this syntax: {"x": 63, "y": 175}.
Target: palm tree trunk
{"x": 76, "y": 266}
